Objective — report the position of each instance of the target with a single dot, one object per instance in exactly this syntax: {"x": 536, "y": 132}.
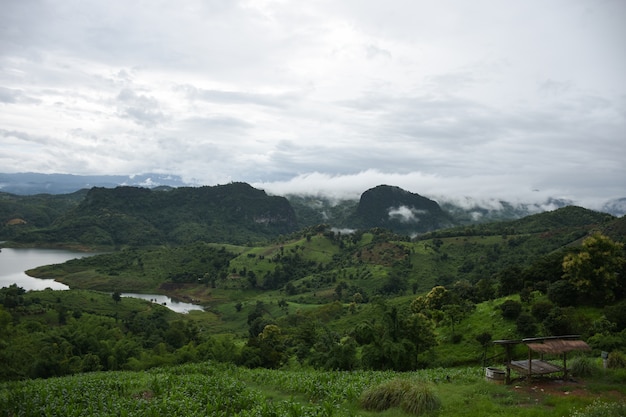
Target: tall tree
{"x": 595, "y": 269}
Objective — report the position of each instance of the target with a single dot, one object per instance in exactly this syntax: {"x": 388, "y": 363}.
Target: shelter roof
{"x": 558, "y": 346}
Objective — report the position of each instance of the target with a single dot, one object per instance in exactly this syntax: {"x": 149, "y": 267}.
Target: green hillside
{"x": 131, "y": 216}
{"x": 19, "y": 214}
{"x": 285, "y": 317}
{"x": 346, "y": 301}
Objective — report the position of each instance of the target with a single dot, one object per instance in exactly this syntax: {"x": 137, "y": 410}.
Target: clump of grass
{"x": 413, "y": 397}
{"x": 420, "y": 400}
{"x": 583, "y": 366}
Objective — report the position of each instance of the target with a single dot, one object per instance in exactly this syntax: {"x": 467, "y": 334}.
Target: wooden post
{"x": 508, "y": 364}
{"x": 530, "y": 364}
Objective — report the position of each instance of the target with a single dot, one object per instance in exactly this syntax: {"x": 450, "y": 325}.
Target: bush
{"x": 541, "y": 309}
{"x": 616, "y": 360}
{"x": 412, "y": 397}
{"x": 582, "y": 366}
{"x": 526, "y": 325}
{"x": 562, "y": 293}
{"x": 484, "y": 339}
{"x": 511, "y": 309}
{"x": 617, "y": 314}
{"x": 559, "y": 321}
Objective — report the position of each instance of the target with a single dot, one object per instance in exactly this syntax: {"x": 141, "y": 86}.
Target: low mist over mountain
{"x": 469, "y": 211}
{"x": 616, "y": 207}
{"x": 57, "y": 203}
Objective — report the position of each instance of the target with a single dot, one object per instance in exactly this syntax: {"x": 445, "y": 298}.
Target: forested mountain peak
{"x": 399, "y": 210}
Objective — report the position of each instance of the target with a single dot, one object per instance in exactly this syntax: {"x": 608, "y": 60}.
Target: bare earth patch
{"x": 541, "y": 388}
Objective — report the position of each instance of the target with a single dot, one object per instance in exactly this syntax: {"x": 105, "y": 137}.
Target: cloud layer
{"x": 520, "y": 100}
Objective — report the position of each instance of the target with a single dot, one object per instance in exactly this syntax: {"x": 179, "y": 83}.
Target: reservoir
{"x": 13, "y": 263}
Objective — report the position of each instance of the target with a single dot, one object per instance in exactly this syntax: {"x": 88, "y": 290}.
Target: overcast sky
{"x": 484, "y": 98}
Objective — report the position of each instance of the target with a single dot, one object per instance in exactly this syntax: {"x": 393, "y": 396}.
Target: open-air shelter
{"x": 549, "y": 345}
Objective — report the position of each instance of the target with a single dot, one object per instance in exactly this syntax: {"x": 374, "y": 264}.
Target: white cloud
{"x": 447, "y": 99}
{"x": 405, "y": 214}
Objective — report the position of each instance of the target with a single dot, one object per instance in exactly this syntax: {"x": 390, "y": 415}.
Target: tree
{"x": 595, "y": 270}
{"x": 272, "y": 346}
{"x": 117, "y": 296}
{"x": 437, "y": 297}
{"x": 453, "y": 314}
{"x": 420, "y": 330}
{"x": 395, "y": 284}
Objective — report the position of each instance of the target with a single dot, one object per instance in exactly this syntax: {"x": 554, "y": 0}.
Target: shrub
{"x": 511, "y": 309}
{"x": 541, "y": 309}
{"x": 559, "y": 321}
{"x": 413, "y": 397}
{"x": 617, "y": 314}
{"x": 562, "y": 293}
{"x": 607, "y": 342}
{"x": 582, "y": 366}
{"x": 526, "y": 325}
{"x": 616, "y": 360}
{"x": 484, "y": 339}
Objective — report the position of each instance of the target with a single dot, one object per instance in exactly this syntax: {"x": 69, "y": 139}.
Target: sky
{"x": 518, "y": 100}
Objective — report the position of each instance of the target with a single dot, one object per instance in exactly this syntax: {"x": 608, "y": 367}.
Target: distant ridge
{"x": 310, "y": 210}
{"x": 135, "y": 216}
{"x": 29, "y": 183}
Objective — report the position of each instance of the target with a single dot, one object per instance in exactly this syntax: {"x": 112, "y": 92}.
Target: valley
{"x": 318, "y": 300}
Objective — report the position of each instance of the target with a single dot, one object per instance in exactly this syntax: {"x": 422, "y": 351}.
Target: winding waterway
{"x": 13, "y": 263}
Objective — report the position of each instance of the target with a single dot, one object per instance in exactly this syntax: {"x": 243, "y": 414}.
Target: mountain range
{"x": 468, "y": 211}
{"x": 147, "y": 212}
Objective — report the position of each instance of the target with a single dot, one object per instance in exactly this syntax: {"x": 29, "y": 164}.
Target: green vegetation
{"x": 132, "y": 216}
{"x": 21, "y": 214}
{"x": 315, "y": 322}
{"x": 215, "y": 389}
{"x": 411, "y": 397}
{"x": 331, "y": 301}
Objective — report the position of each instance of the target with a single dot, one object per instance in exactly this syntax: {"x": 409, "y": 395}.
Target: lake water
{"x": 177, "y": 306}
{"x": 13, "y": 263}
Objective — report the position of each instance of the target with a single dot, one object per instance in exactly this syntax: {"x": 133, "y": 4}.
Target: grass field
{"x": 214, "y": 389}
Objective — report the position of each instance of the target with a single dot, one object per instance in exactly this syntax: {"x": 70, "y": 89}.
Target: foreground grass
{"x": 225, "y": 390}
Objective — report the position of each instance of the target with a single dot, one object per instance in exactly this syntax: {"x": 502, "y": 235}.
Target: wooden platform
{"x": 535, "y": 367}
